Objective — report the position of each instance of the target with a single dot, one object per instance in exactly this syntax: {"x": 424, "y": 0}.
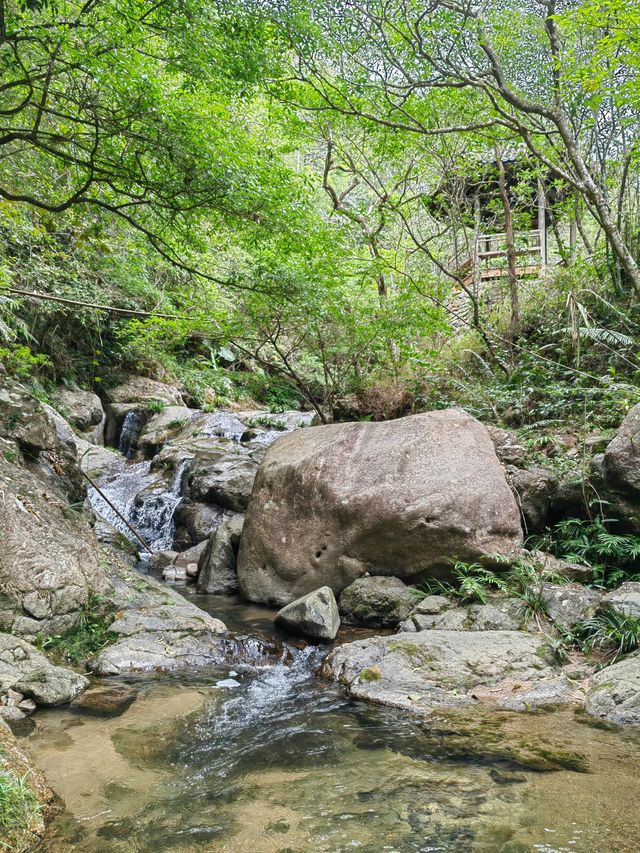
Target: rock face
{"x": 49, "y": 560}
{"x": 398, "y": 498}
{"x": 27, "y": 671}
{"x": 140, "y": 389}
{"x": 440, "y": 669}
{"x": 156, "y": 629}
{"x": 376, "y": 602}
{"x": 622, "y": 456}
{"x": 614, "y": 692}
{"x": 315, "y": 615}
{"x": 218, "y": 564}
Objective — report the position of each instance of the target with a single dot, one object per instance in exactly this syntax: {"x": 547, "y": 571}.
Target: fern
{"x": 608, "y": 630}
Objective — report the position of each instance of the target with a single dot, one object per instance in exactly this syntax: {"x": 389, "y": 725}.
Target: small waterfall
{"x": 144, "y": 499}
{"x": 131, "y": 427}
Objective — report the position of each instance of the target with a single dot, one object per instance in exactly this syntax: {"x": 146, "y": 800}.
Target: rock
{"x": 83, "y": 409}
{"x": 161, "y": 560}
{"x": 534, "y": 489}
{"x": 49, "y": 560}
{"x": 24, "y": 419}
{"x": 456, "y": 619}
{"x": 140, "y": 389}
{"x": 625, "y": 599}
{"x": 614, "y": 692}
{"x": 314, "y": 615}
{"x": 27, "y": 671}
{"x": 191, "y": 555}
{"x": 436, "y": 669}
{"x": 551, "y": 566}
{"x": 227, "y": 482}
{"x": 164, "y": 426}
{"x": 504, "y": 615}
{"x": 94, "y": 459}
{"x": 622, "y": 456}
{"x": 228, "y": 682}
{"x": 157, "y": 629}
{"x": 376, "y": 602}
{"x": 174, "y": 574}
{"x": 401, "y": 497}
{"x": 196, "y": 522}
{"x": 569, "y": 603}
{"x": 218, "y": 564}
{"x": 107, "y": 701}
{"x": 431, "y": 604}
{"x": 508, "y": 448}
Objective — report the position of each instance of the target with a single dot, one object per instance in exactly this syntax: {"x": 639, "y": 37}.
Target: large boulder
{"x": 314, "y": 615}
{"x": 83, "y": 410}
{"x": 400, "y": 498}
{"x": 218, "y": 564}
{"x": 141, "y": 389}
{"x": 27, "y": 671}
{"x": 622, "y": 456}
{"x": 614, "y": 692}
{"x": 24, "y": 419}
{"x": 436, "y": 669}
{"x": 376, "y": 602}
{"x": 226, "y": 482}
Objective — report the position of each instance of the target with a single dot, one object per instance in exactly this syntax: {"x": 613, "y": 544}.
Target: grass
{"x": 19, "y": 806}
{"x": 88, "y": 636}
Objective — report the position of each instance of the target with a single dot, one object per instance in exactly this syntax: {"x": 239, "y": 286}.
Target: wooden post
{"x": 476, "y": 250}
{"x": 542, "y": 227}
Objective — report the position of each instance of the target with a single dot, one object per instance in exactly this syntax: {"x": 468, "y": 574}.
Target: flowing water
{"x": 285, "y": 763}
{"x": 270, "y": 759}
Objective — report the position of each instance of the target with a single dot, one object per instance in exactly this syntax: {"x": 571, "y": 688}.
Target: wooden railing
{"x": 488, "y": 257}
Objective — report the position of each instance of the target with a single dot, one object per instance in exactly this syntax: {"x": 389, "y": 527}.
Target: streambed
{"x": 285, "y": 763}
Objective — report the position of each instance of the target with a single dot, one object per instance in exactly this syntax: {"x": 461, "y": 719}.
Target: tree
{"x": 137, "y": 108}
{"x": 507, "y": 71}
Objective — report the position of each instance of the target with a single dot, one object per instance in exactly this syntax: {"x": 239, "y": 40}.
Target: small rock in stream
{"x": 228, "y": 682}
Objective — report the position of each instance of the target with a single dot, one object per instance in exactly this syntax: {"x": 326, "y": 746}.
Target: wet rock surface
{"x": 441, "y": 668}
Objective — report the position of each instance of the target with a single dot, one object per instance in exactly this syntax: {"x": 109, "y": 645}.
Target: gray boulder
{"x": 402, "y": 497}
{"x": 83, "y": 410}
{"x": 622, "y": 456}
{"x": 24, "y": 419}
{"x": 569, "y": 603}
{"x": 447, "y": 669}
{"x": 141, "y": 389}
{"x": 376, "y": 602}
{"x": 28, "y": 672}
{"x": 315, "y": 615}
{"x": 218, "y": 564}
{"x": 195, "y": 522}
{"x": 614, "y": 692}
{"x": 226, "y": 482}
{"x": 625, "y": 599}
{"x": 534, "y": 489}
{"x": 508, "y": 448}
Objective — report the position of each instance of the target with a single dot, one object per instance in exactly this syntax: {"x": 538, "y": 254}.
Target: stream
{"x": 285, "y": 763}
{"x": 275, "y": 760}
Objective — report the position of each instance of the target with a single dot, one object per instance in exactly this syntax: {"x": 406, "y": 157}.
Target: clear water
{"x": 285, "y": 763}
